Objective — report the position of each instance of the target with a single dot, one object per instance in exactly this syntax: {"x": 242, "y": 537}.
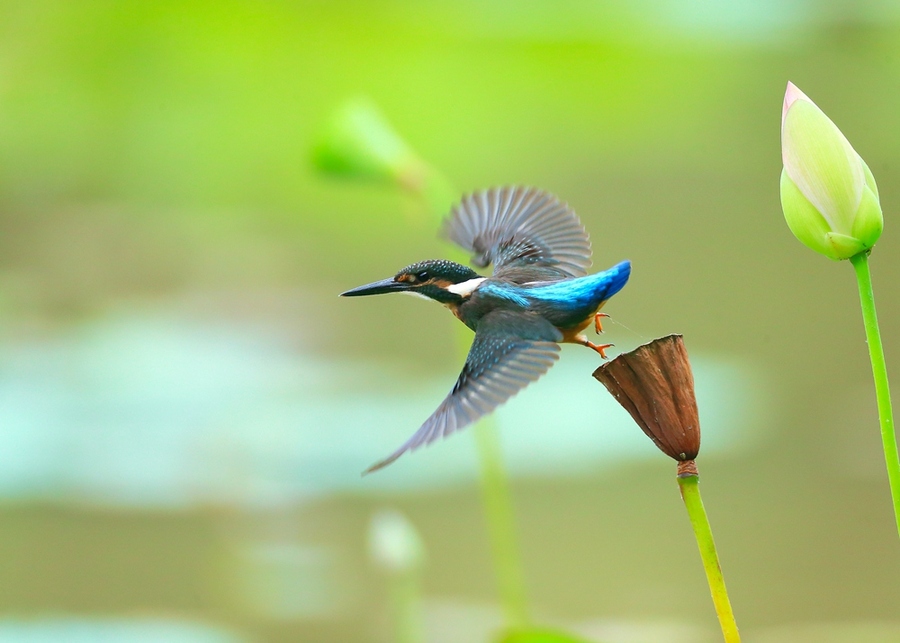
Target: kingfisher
{"x": 538, "y": 297}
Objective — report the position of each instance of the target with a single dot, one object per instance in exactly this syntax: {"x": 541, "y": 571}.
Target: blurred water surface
{"x": 163, "y": 412}
{"x": 97, "y": 631}
{"x": 186, "y": 404}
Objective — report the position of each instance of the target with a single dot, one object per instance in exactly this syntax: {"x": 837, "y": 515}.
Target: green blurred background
{"x": 186, "y": 405}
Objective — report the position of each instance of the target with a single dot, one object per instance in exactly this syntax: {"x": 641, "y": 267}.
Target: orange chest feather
{"x": 570, "y": 334}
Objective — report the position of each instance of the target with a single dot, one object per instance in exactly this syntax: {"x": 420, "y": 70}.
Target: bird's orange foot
{"x": 600, "y": 348}
{"x": 597, "y": 325}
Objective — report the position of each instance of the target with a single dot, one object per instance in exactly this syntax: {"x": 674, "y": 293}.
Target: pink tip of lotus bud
{"x": 791, "y": 94}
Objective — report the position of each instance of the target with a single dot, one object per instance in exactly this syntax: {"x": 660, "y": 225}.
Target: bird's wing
{"x": 510, "y": 351}
{"x": 516, "y": 227}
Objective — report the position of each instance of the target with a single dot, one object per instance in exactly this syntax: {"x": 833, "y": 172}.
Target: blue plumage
{"x": 508, "y": 292}
{"x": 583, "y": 292}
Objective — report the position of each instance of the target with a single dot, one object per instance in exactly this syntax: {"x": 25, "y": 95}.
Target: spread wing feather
{"x": 509, "y": 352}
{"x": 515, "y": 227}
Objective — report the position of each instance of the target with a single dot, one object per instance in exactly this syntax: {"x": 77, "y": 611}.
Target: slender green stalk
{"x": 495, "y": 490}
{"x": 406, "y": 600}
{"x": 501, "y": 524}
{"x": 879, "y": 373}
{"x": 690, "y": 493}
{"x": 361, "y": 143}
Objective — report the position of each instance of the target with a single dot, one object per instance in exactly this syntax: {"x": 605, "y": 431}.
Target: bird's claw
{"x": 600, "y": 348}
{"x": 597, "y": 325}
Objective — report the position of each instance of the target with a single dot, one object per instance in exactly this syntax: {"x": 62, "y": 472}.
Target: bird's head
{"x": 445, "y": 281}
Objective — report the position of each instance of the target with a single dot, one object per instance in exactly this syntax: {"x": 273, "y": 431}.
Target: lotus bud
{"x": 655, "y": 385}
{"x": 828, "y": 193}
{"x": 359, "y": 142}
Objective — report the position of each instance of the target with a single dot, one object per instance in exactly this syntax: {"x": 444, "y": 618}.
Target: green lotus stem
{"x": 879, "y": 373}
{"x": 690, "y": 493}
{"x": 439, "y": 195}
{"x": 360, "y": 142}
{"x": 496, "y": 497}
{"x": 406, "y": 601}
{"x": 501, "y": 523}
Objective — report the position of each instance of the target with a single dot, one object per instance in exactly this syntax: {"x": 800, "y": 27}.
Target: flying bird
{"x": 538, "y": 296}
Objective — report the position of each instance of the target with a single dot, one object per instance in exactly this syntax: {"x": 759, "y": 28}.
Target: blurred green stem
{"x": 496, "y": 498}
{"x": 879, "y": 373}
{"x": 501, "y": 523}
{"x": 432, "y": 189}
{"x": 405, "y": 598}
{"x": 440, "y": 196}
{"x": 360, "y": 142}
{"x": 690, "y": 493}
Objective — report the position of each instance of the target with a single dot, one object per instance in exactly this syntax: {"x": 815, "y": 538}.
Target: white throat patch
{"x": 466, "y": 288}
{"x": 414, "y": 294}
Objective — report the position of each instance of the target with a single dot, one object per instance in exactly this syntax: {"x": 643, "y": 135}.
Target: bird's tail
{"x": 615, "y": 279}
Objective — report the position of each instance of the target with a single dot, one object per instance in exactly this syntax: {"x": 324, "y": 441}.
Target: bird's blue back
{"x": 565, "y": 302}
{"x": 583, "y": 291}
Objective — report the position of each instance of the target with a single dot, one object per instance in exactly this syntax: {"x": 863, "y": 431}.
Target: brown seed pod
{"x": 655, "y": 385}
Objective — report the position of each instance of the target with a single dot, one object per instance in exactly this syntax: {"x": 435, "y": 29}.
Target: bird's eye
{"x": 423, "y": 276}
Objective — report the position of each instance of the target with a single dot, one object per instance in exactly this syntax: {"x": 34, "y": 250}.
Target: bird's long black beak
{"x": 377, "y": 288}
